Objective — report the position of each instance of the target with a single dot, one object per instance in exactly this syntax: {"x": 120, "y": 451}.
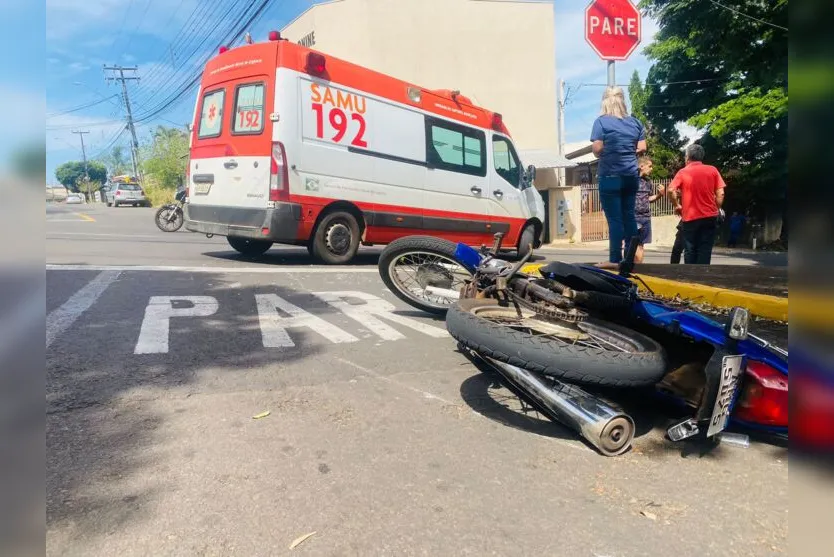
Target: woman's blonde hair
{"x": 613, "y": 103}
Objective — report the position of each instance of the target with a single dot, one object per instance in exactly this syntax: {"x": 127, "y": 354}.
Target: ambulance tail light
{"x": 764, "y": 399}
{"x": 279, "y": 178}
{"x": 223, "y": 49}
{"x": 274, "y": 36}
{"x": 316, "y": 63}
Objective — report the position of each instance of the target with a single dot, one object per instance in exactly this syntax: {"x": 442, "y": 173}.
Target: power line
{"x": 134, "y": 151}
{"x": 81, "y": 107}
{"x": 742, "y": 14}
{"x": 232, "y": 35}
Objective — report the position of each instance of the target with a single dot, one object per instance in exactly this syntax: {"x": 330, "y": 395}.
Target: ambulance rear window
{"x": 249, "y": 109}
{"x": 211, "y": 115}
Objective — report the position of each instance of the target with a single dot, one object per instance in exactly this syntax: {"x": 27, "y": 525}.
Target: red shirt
{"x": 698, "y": 183}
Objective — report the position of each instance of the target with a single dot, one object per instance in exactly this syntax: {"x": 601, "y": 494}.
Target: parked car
{"x": 127, "y": 194}
{"x": 74, "y": 199}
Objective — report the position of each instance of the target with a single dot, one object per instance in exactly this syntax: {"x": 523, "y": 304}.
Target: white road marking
{"x": 61, "y": 318}
{"x": 131, "y": 236}
{"x": 274, "y": 325}
{"x": 153, "y": 336}
{"x": 250, "y": 270}
{"x": 367, "y": 314}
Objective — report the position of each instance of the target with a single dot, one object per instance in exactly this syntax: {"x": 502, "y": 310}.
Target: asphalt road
{"x": 381, "y": 438}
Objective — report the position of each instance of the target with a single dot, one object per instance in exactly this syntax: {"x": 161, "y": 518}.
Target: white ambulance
{"x": 292, "y": 146}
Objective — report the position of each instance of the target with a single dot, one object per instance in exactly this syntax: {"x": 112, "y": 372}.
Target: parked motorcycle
{"x": 170, "y": 217}
{"x": 575, "y": 328}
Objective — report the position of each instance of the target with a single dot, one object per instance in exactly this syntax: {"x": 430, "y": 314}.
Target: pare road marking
{"x": 278, "y": 316}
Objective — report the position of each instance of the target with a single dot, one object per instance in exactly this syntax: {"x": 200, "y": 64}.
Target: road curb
{"x": 762, "y": 305}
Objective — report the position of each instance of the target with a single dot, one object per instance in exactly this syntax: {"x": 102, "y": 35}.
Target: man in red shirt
{"x": 698, "y": 193}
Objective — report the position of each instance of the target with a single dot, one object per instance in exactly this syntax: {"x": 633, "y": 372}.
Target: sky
{"x": 167, "y": 39}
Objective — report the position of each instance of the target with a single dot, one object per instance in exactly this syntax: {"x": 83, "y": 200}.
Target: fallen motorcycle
{"x": 574, "y": 329}
{"x": 170, "y": 217}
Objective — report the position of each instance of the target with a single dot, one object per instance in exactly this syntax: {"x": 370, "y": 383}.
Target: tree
{"x": 664, "y": 143}
{"x": 70, "y": 174}
{"x": 116, "y": 161}
{"x": 165, "y": 157}
{"x": 725, "y": 71}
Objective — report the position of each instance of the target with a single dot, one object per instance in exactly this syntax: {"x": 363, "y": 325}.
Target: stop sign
{"x": 612, "y": 28}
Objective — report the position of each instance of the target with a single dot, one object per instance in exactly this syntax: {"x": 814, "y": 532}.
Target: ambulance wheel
{"x": 247, "y": 247}
{"x": 336, "y": 239}
{"x": 528, "y": 237}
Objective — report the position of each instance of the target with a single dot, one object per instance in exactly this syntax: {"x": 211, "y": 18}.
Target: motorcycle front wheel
{"x": 590, "y": 352}
{"x": 169, "y": 218}
{"x": 422, "y": 271}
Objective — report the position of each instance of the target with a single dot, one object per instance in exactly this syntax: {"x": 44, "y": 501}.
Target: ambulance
{"x": 293, "y": 146}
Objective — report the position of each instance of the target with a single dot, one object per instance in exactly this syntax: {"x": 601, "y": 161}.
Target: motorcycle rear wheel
{"x": 591, "y": 352}
{"x": 169, "y": 218}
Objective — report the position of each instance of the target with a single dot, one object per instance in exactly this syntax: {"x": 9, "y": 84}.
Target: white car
{"x": 74, "y": 199}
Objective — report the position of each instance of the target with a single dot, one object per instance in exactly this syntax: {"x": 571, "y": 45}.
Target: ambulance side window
{"x": 455, "y": 147}
{"x": 211, "y": 114}
{"x": 249, "y": 109}
{"x": 506, "y": 161}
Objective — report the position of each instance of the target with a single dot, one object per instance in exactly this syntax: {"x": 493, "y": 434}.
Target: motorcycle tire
{"x": 419, "y": 246}
{"x": 610, "y": 355}
{"x": 163, "y": 221}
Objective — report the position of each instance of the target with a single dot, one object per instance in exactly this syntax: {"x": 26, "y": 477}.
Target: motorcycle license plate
{"x": 202, "y": 188}
{"x": 730, "y": 373}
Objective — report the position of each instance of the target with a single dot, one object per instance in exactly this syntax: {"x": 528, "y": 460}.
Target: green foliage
{"x": 664, "y": 150}
{"x": 727, "y": 75}
{"x": 70, "y": 174}
{"x": 117, "y": 161}
{"x": 164, "y": 159}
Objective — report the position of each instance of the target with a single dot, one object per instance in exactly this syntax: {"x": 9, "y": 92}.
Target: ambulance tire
{"x": 528, "y": 237}
{"x": 247, "y": 247}
{"x": 336, "y": 239}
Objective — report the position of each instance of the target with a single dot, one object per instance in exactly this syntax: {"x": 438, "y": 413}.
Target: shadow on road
{"x": 102, "y": 428}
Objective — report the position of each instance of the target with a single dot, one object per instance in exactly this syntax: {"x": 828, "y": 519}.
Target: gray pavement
{"x": 381, "y": 438}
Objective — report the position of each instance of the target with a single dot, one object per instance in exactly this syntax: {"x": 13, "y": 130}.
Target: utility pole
{"x": 83, "y": 151}
{"x": 134, "y": 146}
{"x": 80, "y": 134}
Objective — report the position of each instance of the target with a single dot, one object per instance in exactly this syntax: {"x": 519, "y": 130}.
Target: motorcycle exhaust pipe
{"x": 603, "y": 426}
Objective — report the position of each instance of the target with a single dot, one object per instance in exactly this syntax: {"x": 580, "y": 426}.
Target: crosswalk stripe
{"x": 59, "y": 320}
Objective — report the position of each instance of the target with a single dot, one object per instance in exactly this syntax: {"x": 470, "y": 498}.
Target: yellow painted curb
{"x": 86, "y": 217}
{"x": 769, "y": 307}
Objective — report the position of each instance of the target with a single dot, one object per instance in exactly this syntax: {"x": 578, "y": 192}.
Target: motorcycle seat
{"x": 577, "y": 278}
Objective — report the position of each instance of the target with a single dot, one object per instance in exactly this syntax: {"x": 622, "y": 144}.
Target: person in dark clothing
{"x": 698, "y": 193}
{"x": 677, "y": 247}
{"x": 617, "y": 140}
{"x": 642, "y": 207}
{"x": 736, "y": 226}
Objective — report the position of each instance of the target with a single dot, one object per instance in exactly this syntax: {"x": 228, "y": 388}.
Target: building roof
{"x": 543, "y": 158}
{"x": 579, "y": 152}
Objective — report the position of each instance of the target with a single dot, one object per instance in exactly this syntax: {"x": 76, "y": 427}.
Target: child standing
{"x": 642, "y": 207}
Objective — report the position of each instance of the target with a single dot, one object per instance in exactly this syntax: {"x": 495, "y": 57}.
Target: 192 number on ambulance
{"x": 339, "y": 122}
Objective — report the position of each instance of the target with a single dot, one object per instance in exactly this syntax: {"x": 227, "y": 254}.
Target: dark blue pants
{"x": 617, "y": 195}
{"x": 699, "y": 237}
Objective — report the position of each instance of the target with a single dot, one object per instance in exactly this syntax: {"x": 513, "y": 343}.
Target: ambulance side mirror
{"x": 528, "y": 177}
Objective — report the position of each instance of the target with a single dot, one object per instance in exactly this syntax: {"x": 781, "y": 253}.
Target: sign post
{"x": 613, "y": 29}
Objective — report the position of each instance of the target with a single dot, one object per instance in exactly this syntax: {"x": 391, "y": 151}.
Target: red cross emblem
{"x": 212, "y": 112}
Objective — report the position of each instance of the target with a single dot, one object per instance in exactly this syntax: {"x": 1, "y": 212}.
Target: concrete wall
{"x": 664, "y": 230}
{"x": 500, "y": 53}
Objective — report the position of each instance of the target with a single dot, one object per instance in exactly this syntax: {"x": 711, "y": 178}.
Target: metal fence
{"x": 594, "y": 225}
